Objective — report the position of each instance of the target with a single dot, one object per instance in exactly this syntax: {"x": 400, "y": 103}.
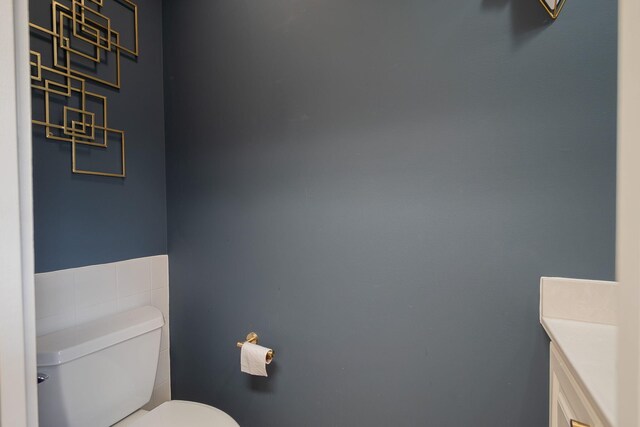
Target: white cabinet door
{"x": 567, "y": 401}
{"x": 561, "y": 413}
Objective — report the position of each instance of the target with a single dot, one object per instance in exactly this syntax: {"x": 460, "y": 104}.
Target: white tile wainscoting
{"x": 67, "y": 298}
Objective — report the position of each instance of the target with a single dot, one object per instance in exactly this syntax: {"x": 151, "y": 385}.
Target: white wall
{"x": 18, "y": 396}
{"x": 628, "y": 223}
{"x": 67, "y": 298}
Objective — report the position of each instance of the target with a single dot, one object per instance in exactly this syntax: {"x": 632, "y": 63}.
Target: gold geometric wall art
{"x": 82, "y": 38}
{"x": 553, "y": 7}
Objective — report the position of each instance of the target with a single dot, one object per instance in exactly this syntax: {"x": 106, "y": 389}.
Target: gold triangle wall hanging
{"x": 553, "y": 7}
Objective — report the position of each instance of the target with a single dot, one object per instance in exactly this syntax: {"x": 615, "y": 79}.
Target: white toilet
{"x": 103, "y": 371}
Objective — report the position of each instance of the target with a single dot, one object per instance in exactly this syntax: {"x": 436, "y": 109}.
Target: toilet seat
{"x": 180, "y": 413}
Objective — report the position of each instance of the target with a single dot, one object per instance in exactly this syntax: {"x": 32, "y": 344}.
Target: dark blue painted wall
{"x": 376, "y": 188}
{"x": 83, "y": 220}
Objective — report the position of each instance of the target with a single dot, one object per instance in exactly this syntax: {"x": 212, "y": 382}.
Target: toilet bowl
{"x": 99, "y": 373}
{"x": 178, "y": 413}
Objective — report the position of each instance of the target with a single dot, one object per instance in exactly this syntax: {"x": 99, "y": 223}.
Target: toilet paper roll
{"x": 253, "y": 359}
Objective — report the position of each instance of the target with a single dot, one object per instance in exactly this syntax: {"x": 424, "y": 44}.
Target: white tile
{"x": 162, "y": 373}
{"x": 68, "y": 297}
{"x": 54, "y": 293}
{"x": 160, "y": 300}
{"x": 95, "y": 285}
{"x": 134, "y": 301}
{"x": 94, "y": 312}
{"x": 161, "y": 394}
{"x": 134, "y": 276}
{"x": 164, "y": 337}
{"x": 50, "y": 324}
{"x": 159, "y": 271}
{"x": 151, "y": 405}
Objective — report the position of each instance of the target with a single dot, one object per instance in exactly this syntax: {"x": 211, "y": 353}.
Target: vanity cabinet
{"x": 569, "y": 404}
{"x": 579, "y": 316}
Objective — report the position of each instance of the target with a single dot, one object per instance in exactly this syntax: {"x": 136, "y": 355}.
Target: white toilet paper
{"x": 253, "y": 359}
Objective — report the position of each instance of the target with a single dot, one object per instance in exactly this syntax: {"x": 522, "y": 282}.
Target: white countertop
{"x": 590, "y": 349}
{"x": 580, "y": 317}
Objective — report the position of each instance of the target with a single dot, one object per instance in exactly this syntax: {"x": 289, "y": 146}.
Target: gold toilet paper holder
{"x": 252, "y": 337}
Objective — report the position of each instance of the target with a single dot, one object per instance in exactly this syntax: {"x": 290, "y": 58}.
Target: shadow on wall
{"x": 265, "y": 385}
{"x": 528, "y": 17}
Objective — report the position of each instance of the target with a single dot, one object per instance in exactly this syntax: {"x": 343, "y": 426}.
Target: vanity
{"x": 580, "y": 318}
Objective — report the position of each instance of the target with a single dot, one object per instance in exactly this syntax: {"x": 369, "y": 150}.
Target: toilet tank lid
{"x": 69, "y": 344}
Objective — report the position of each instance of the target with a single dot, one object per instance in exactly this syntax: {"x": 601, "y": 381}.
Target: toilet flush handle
{"x": 42, "y": 377}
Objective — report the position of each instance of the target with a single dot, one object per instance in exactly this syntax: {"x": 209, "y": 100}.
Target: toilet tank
{"x": 99, "y": 372}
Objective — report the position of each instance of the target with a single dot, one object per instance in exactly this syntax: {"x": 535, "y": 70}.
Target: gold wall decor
{"x": 82, "y": 38}
{"x": 553, "y": 7}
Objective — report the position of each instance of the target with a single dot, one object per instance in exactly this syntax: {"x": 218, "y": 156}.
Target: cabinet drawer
{"x": 567, "y": 401}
